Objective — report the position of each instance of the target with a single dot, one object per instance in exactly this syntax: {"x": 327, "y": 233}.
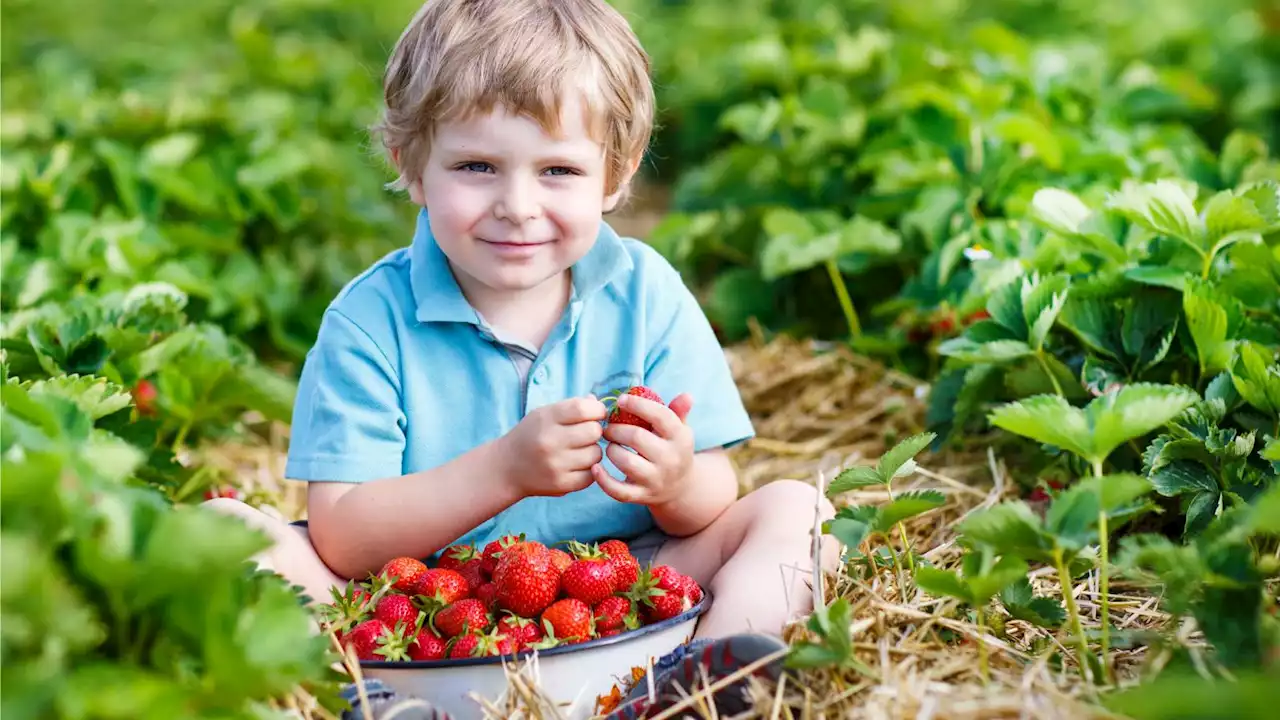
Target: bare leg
{"x": 756, "y": 558}
{"x": 292, "y": 555}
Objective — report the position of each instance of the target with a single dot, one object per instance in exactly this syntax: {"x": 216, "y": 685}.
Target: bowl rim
{"x": 691, "y": 614}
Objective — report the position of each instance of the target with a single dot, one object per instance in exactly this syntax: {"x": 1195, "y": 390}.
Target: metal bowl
{"x": 572, "y": 675}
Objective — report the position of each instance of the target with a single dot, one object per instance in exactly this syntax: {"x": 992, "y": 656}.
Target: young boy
{"x": 452, "y": 393}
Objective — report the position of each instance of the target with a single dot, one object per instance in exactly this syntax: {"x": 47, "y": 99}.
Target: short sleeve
{"x": 348, "y": 422}
{"x": 686, "y": 357}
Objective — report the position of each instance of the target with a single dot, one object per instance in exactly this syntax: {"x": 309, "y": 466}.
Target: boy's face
{"x": 511, "y": 206}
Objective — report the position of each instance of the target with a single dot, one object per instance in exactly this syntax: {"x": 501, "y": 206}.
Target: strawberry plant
{"x": 114, "y": 600}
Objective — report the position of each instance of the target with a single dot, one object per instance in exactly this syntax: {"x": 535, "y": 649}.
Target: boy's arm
{"x": 347, "y": 442}
{"x": 711, "y": 488}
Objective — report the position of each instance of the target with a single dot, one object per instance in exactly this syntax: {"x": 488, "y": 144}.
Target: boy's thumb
{"x": 681, "y": 405}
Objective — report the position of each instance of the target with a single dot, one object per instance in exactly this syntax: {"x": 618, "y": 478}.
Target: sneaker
{"x": 681, "y": 672}
{"x": 384, "y": 704}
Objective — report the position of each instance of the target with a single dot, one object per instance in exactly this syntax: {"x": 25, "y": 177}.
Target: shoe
{"x": 384, "y": 704}
{"x": 681, "y": 672}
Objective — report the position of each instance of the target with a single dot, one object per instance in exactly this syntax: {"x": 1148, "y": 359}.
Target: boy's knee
{"x": 792, "y": 498}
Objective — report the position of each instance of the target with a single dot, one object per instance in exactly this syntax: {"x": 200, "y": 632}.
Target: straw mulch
{"x": 817, "y": 410}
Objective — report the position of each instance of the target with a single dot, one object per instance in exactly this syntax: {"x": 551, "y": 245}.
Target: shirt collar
{"x": 440, "y": 299}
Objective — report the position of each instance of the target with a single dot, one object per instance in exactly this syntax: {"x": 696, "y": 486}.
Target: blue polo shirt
{"x": 405, "y": 375}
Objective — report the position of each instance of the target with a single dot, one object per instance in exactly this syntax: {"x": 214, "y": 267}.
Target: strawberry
{"x": 364, "y": 637}
{"x": 667, "y": 606}
{"x": 466, "y": 646}
{"x": 569, "y": 619}
{"x": 615, "y": 547}
{"x": 664, "y": 592}
{"x": 492, "y": 551}
{"x": 427, "y": 645}
{"x": 395, "y": 609}
{"x": 614, "y": 613}
{"x": 455, "y": 557}
{"x": 407, "y": 572}
{"x": 626, "y": 570}
{"x": 443, "y": 587}
{"x": 144, "y": 397}
{"x": 619, "y": 416}
{"x": 466, "y": 615}
{"x": 589, "y": 579}
{"x": 349, "y": 608}
{"x": 521, "y": 630}
{"x": 496, "y": 642}
{"x": 487, "y": 593}
{"x": 560, "y": 560}
{"x": 526, "y": 581}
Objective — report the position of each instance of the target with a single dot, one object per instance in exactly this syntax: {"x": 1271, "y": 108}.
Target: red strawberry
{"x": 456, "y": 556}
{"x": 444, "y": 587}
{"x": 560, "y": 560}
{"x": 521, "y": 630}
{"x": 487, "y": 593}
{"x": 427, "y": 645}
{"x": 466, "y": 646}
{"x": 363, "y": 639}
{"x": 570, "y": 619}
{"x": 618, "y": 416}
{"x": 589, "y": 580}
{"x": 407, "y": 571}
{"x": 615, "y": 547}
{"x": 144, "y": 397}
{"x": 493, "y": 551}
{"x": 664, "y": 591}
{"x": 395, "y": 609}
{"x": 465, "y": 615}
{"x": 526, "y": 581}
{"x": 611, "y": 632}
{"x": 667, "y": 606}
{"x": 626, "y": 570}
{"x": 615, "y": 612}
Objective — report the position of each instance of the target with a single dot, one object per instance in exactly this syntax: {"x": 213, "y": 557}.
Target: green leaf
{"x": 906, "y": 506}
{"x": 853, "y": 478}
{"x": 1201, "y": 511}
{"x": 899, "y": 461}
{"x": 95, "y": 396}
{"x": 1010, "y": 528}
{"x": 1049, "y": 419}
{"x": 1096, "y": 322}
{"x": 1073, "y": 516}
{"x": 943, "y": 583}
{"x": 1064, "y": 213}
{"x": 1211, "y": 320}
{"x": 1255, "y": 374}
{"x": 1227, "y": 214}
{"x": 1163, "y": 207}
{"x": 1005, "y": 307}
{"x": 1132, "y": 412}
{"x": 1042, "y": 301}
{"x": 1183, "y": 476}
{"x": 967, "y": 351}
{"x": 795, "y": 243}
{"x": 1018, "y": 599}
{"x": 1177, "y": 694}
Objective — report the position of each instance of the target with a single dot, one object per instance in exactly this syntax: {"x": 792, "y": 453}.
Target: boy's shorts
{"x": 644, "y": 547}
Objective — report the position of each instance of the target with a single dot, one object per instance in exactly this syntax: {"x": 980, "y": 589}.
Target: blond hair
{"x": 459, "y": 57}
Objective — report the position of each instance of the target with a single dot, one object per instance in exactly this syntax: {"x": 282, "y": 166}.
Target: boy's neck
{"x": 526, "y": 315}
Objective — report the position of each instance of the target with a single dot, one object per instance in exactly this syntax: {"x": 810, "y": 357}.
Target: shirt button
{"x": 540, "y": 375}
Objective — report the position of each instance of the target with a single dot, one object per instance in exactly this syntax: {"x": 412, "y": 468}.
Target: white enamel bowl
{"x": 572, "y": 675}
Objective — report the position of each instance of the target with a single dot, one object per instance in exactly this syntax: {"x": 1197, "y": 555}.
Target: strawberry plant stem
{"x": 1044, "y": 365}
{"x": 982, "y": 648}
{"x": 1073, "y": 612}
{"x": 1103, "y": 583}
{"x": 846, "y": 303}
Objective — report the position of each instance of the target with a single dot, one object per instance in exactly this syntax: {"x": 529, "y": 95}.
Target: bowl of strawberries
{"x": 449, "y": 633}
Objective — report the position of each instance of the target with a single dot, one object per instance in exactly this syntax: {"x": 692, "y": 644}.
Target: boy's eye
{"x": 562, "y": 170}
{"x": 475, "y": 166}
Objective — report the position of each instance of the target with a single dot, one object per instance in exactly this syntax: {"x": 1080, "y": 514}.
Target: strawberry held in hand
{"x": 622, "y": 417}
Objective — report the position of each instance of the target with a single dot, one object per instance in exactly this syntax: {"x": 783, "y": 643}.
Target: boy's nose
{"x": 517, "y": 202}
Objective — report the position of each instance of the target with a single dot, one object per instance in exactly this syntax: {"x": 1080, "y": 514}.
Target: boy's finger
{"x": 682, "y": 405}
{"x": 580, "y": 409}
{"x": 583, "y": 434}
{"x": 584, "y": 458}
{"x": 664, "y": 421}
{"x": 633, "y": 466}
{"x": 634, "y": 437}
{"x": 620, "y": 491}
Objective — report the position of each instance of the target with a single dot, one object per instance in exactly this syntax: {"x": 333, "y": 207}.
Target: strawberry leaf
{"x": 1213, "y": 319}
{"x": 898, "y": 461}
{"x": 1255, "y": 374}
{"x": 906, "y": 506}
{"x": 1165, "y": 207}
{"x": 1010, "y": 528}
{"x": 1132, "y": 412}
{"x": 941, "y": 583}
{"x": 853, "y": 478}
{"x": 1019, "y": 600}
{"x": 1049, "y": 419}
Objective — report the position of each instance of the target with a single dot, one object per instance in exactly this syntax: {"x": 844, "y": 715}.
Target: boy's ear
{"x": 611, "y": 201}
{"x": 414, "y": 181}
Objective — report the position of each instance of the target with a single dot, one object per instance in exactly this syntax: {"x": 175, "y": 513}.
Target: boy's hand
{"x": 552, "y": 450}
{"x": 658, "y": 470}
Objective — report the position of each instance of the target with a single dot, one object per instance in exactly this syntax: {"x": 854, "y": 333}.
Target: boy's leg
{"x": 755, "y": 559}
{"x": 291, "y": 554}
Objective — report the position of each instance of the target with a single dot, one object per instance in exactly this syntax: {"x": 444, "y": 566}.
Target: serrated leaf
{"x": 1256, "y": 376}
{"x": 1018, "y": 599}
{"x": 1096, "y": 322}
{"x": 943, "y": 583}
{"x": 1163, "y": 207}
{"x": 898, "y": 461}
{"x": 1201, "y": 511}
{"x": 1210, "y": 321}
{"x": 1059, "y": 210}
{"x": 985, "y": 585}
{"x": 1005, "y": 307}
{"x": 1182, "y": 476}
{"x": 1227, "y": 213}
{"x": 1049, "y": 419}
{"x": 95, "y": 396}
{"x": 853, "y": 478}
{"x": 1132, "y": 412}
{"x": 1073, "y": 516}
{"x": 906, "y": 506}
{"x": 1010, "y": 528}
{"x": 1042, "y": 301}
{"x": 995, "y": 351}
